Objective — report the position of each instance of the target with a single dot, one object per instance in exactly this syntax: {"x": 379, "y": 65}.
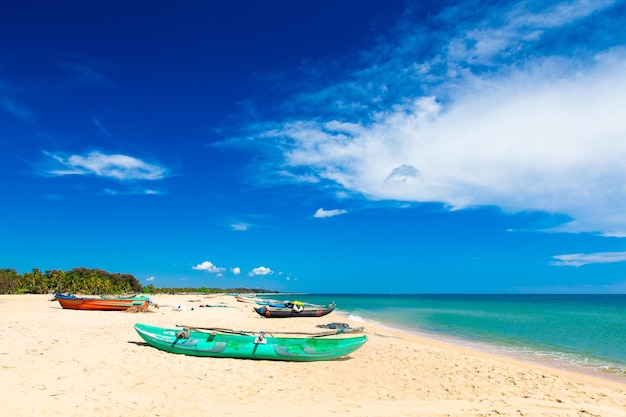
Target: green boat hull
{"x": 219, "y": 345}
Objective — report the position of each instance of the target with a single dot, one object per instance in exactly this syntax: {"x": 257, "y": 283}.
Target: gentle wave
{"x": 580, "y": 334}
{"x": 554, "y": 359}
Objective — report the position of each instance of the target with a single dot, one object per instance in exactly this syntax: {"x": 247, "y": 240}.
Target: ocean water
{"x": 583, "y": 333}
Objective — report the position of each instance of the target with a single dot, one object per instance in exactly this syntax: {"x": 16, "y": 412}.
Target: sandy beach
{"x": 58, "y": 362}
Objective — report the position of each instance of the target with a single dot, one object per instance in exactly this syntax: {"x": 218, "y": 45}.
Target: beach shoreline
{"x": 63, "y": 362}
{"x": 492, "y": 349}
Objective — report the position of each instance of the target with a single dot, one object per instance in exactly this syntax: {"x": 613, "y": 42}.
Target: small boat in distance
{"x": 224, "y": 343}
{"x": 246, "y": 298}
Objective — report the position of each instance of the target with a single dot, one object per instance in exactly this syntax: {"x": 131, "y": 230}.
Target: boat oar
{"x": 217, "y": 329}
{"x": 249, "y": 332}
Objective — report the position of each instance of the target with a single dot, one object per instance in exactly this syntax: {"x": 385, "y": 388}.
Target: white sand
{"x": 57, "y": 362}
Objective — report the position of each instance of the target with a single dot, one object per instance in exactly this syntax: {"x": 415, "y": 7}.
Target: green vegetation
{"x": 90, "y": 281}
{"x": 78, "y": 280}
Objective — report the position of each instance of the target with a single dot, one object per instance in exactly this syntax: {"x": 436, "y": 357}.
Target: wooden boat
{"x": 105, "y": 304}
{"x": 295, "y": 311}
{"x": 224, "y": 343}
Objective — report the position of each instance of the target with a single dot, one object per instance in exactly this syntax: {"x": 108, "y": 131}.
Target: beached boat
{"x": 294, "y": 311}
{"x": 287, "y": 304}
{"x": 224, "y": 343}
{"x": 247, "y": 299}
{"x": 106, "y": 304}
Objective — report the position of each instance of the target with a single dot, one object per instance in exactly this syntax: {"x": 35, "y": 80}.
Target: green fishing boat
{"x": 225, "y": 343}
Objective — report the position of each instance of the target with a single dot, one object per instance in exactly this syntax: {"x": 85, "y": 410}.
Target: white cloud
{"x": 209, "y": 267}
{"x": 242, "y": 227}
{"x": 321, "y": 213}
{"x": 236, "y": 270}
{"x": 115, "y": 166}
{"x": 261, "y": 270}
{"x": 150, "y": 279}
{"x": 580, "y": 259}
{"x": 132, "y": 191}
{"x": 492, "y": 121}
{"x": 152, "y": 192}
{"x": 312, "y": 179}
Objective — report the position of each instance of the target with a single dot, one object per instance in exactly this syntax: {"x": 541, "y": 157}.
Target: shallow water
{"x": 584, "y": 333}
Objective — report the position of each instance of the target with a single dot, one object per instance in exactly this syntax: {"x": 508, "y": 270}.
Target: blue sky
{"x": 318, "y": 146}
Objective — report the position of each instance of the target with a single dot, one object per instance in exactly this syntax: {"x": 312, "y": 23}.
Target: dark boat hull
{"x": 290, "y": 312}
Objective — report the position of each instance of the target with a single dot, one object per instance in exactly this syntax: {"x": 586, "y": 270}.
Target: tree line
{"x": 91, "y": 281}
{"x": 77, "y": 280}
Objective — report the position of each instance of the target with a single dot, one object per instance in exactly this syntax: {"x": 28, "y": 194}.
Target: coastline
{"x": 75, "y": 363}
{"x": 529, "y": 356}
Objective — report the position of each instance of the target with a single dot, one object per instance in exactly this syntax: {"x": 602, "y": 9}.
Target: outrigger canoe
{"x": 294, "y": 311}
{"x": 224, "y": 343}
{"x": 103, "y": 304}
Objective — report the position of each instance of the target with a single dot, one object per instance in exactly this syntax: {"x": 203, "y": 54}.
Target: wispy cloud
{"x": 497, "y": 111}
{"x": 82, "y": 73}
{"x": 580, "y": 259}
{"x": 321, "y": 213}
{"x": 241, "y": 227}
{"x": 112, "y": 166}
{"x": 133, "y": 191}
{"x": 19, "y": 111}
{"x": 101, "y": 127}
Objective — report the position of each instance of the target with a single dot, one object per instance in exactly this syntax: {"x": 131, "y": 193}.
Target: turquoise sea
{"x": 583, "y": 333}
